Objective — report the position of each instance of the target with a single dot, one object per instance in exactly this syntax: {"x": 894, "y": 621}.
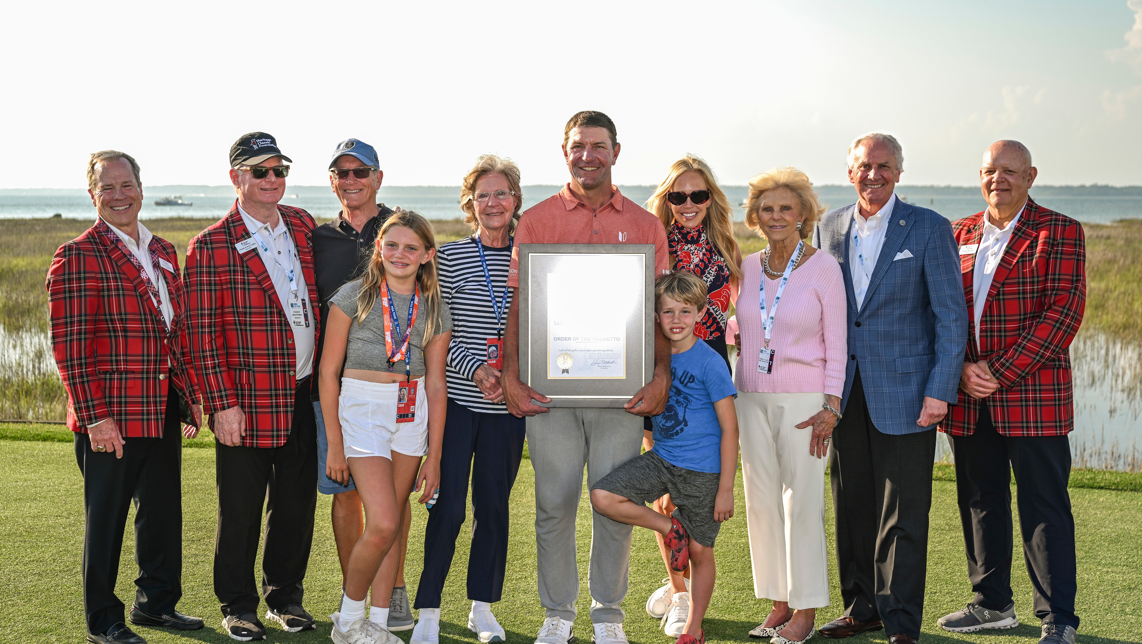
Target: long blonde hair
{"x": 425, "y": 275}
{"x": 719, "y": 215}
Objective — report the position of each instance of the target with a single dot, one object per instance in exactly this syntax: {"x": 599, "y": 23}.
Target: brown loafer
{"x": 845, "y": 626}
{"x": 901, "y": 638}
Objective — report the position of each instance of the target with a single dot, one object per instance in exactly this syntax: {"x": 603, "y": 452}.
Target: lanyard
{"x": 391, "y": 323}
{"x": 767, "y": 323}
{"x": 499, "y": 310}
{"x": 289, "y": 254}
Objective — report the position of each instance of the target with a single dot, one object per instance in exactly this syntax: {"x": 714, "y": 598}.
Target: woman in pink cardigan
{"x": 790, "y": 374}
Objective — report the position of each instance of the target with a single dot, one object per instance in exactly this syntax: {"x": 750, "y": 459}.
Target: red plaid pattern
{"x": 1032, "y": 314}
{"x": 115, "y": 355}
{"x": 242, "y": 342}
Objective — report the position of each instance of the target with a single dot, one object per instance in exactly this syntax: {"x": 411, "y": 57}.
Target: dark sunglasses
{"x": 261, "y": 171}
{"x": 698, "y": 197}
{"x": 360, "y": 173}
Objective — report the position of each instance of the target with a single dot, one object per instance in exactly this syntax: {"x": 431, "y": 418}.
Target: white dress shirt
{"x": 281, "y": 258}
{"x": 865, "y": 241}
{"x": 142, "y": 252}
{"x": 992, "y": 243}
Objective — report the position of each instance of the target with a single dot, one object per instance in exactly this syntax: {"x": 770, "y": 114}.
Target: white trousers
{"x": 784, "y": 498}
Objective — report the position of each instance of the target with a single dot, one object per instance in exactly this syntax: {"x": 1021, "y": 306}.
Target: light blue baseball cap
{"x": 356, "y": 148}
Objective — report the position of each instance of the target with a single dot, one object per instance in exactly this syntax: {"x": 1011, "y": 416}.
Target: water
{"x": 443, "y": 202}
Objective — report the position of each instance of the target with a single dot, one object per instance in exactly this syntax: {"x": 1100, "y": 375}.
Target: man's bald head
{"x": 1014, "y": 147}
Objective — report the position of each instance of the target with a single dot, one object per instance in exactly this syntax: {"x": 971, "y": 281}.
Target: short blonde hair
{"x": 792, "y": 180}
{"x": 107, "y": 156}
{"x": 681, "y": 286}
{"x": 487, "y": 164}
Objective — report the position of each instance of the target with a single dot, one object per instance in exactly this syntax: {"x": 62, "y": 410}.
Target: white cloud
{"x": 1131, "y": 54}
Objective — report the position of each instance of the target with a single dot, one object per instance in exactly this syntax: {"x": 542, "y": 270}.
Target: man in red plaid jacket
{"x": 1024, "y": 278}
{"x": 253, "y": 328}
{"x": 116, "y": 308}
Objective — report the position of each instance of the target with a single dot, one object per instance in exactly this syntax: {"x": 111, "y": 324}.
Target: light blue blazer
{"x": 910, "y": 335}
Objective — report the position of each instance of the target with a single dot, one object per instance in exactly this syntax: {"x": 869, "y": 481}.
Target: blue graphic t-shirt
{"x": 687, "y": 434}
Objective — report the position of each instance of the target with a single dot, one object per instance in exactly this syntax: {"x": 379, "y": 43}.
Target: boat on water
{"x": 172, "y": 201}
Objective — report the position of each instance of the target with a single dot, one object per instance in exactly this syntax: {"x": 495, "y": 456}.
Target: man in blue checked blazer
{"x": 907, "y": 331}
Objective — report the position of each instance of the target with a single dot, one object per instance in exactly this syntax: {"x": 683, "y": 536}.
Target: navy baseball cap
{"x": 253, "y": 148}
{"x": 356, "y": 148}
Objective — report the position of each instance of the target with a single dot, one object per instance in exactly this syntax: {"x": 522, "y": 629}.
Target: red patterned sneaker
{"x": 679, "y": 545}
{"x": 689, "y": 639}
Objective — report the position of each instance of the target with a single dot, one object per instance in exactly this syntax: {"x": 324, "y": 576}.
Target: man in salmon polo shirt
{"x": 588, "y": 210}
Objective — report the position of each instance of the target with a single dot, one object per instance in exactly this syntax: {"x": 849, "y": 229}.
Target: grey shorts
{"x": 648, "y": 477}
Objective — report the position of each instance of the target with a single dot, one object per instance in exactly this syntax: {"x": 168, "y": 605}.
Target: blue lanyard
{"x": 767, "y": 323}
{"x": 405, "y": 341}
{"x": 499, "y": 309}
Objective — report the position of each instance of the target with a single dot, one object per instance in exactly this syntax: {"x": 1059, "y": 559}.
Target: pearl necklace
{"x": 775, "y": 274}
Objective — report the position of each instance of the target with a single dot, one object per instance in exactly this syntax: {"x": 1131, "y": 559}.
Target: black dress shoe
{"x": 173, "y": 619}
{"x": 901, "y": 638}
{"x": 117, "y": 634}
{"x": 845, "y": 626}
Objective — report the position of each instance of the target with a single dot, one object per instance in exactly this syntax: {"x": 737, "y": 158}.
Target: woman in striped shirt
{"x": 473, "y": 281}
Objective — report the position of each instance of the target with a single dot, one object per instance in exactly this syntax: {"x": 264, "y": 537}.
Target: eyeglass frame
{"x": 507, "y": 193}
{"x": 369, "y": 170}
{"x": 280, "y": 171}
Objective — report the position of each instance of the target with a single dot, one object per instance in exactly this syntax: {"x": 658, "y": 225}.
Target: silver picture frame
{"x": 586, "y": 321}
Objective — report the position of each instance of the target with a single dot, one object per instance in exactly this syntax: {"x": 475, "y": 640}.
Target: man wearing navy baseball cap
{"x": 341, "y": 250}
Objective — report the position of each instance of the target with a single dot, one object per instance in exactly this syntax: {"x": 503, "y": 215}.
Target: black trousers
{"x": 285, "y": 480}
{"x": 150, "y": 475}
{"x": 489, "y": 446}
{"x": 882, "y": 492}
{"x": 1042, "y": 466}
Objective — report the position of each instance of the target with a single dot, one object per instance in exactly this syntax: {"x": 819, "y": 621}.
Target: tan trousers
{"x": 784, "y": 498}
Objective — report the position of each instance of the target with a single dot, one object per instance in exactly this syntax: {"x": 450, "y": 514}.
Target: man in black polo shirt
{"x": 341, "y": 251}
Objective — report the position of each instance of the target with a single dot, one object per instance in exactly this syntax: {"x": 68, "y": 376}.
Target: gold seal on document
{"x": 564, "y": 361}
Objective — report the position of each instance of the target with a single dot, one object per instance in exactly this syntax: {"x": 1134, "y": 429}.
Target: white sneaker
{"x": 657, "y": 604}
{"x": 555, "y": 631}
{"x": 674, "y": 622}
{"x": 426, "y": 631}
{"x": 609, "y": 633}
{"x": 360, "y": 632}
{"x": 483, "y": 623}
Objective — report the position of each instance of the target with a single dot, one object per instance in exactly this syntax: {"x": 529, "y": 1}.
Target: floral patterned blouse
{"x": 692, "y": 251}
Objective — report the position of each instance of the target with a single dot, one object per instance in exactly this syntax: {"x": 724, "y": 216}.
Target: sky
{"x": 748, "y": 86}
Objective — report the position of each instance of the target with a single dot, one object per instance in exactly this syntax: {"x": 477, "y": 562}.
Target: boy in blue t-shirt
{"x": 695, "y": 453}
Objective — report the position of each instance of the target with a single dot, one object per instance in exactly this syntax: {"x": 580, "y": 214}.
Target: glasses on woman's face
{"x": 698, "y": 197}
{"x": 499, "y": 195}
{"x": 360, "y": 173}
{"x": 261, "y": 172}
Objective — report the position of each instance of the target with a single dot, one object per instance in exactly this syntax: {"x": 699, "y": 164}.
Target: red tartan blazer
{"x": 242, "y": 341}
{"x": 115, "y": 355}
{"x": 1033, "y": 311}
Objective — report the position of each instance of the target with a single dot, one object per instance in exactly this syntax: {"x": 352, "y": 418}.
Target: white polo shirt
{"x": 992, "y": 243}
{"x": 279, "y": 254}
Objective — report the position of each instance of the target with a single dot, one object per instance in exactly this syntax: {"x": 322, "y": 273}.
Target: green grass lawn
{"x": 41, "y": 527}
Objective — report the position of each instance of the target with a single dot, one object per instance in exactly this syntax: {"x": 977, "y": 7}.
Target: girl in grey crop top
{"x": 366, "y": 346}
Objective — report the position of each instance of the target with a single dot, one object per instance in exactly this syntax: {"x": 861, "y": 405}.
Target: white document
{"x": 586, "y": 323}
{"x": 904, "y": 254}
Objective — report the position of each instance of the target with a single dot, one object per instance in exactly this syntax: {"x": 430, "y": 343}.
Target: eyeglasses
{"x": 360, "y": 173}
{"x": 500, "y": 195}
{"x": 261, "y": 171}
{"x": 698, "y": 197}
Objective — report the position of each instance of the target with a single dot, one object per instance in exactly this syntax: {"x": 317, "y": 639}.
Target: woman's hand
{"x": 429, "y": 476}
{"x": 336, "y": 466}
{"x": 488, "y": 380}
{"x": 823, "y": 423}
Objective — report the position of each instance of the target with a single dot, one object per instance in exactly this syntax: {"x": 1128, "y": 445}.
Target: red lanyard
{"x": 391, "y": 321}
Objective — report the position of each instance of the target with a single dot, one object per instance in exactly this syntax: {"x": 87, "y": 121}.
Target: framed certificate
{"x": 586, "y": 316}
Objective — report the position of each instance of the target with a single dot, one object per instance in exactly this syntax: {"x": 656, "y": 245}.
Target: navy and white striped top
{"x": 463, "y": 287}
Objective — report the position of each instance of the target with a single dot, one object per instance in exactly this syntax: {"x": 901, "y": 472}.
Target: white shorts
{"x": 369, "y": 427}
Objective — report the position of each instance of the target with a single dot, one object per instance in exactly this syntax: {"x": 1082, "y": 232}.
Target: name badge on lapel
{"x": 246, "y": 244}
{"x": 167, "y": 265}
{"x": 968, "y": 249}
